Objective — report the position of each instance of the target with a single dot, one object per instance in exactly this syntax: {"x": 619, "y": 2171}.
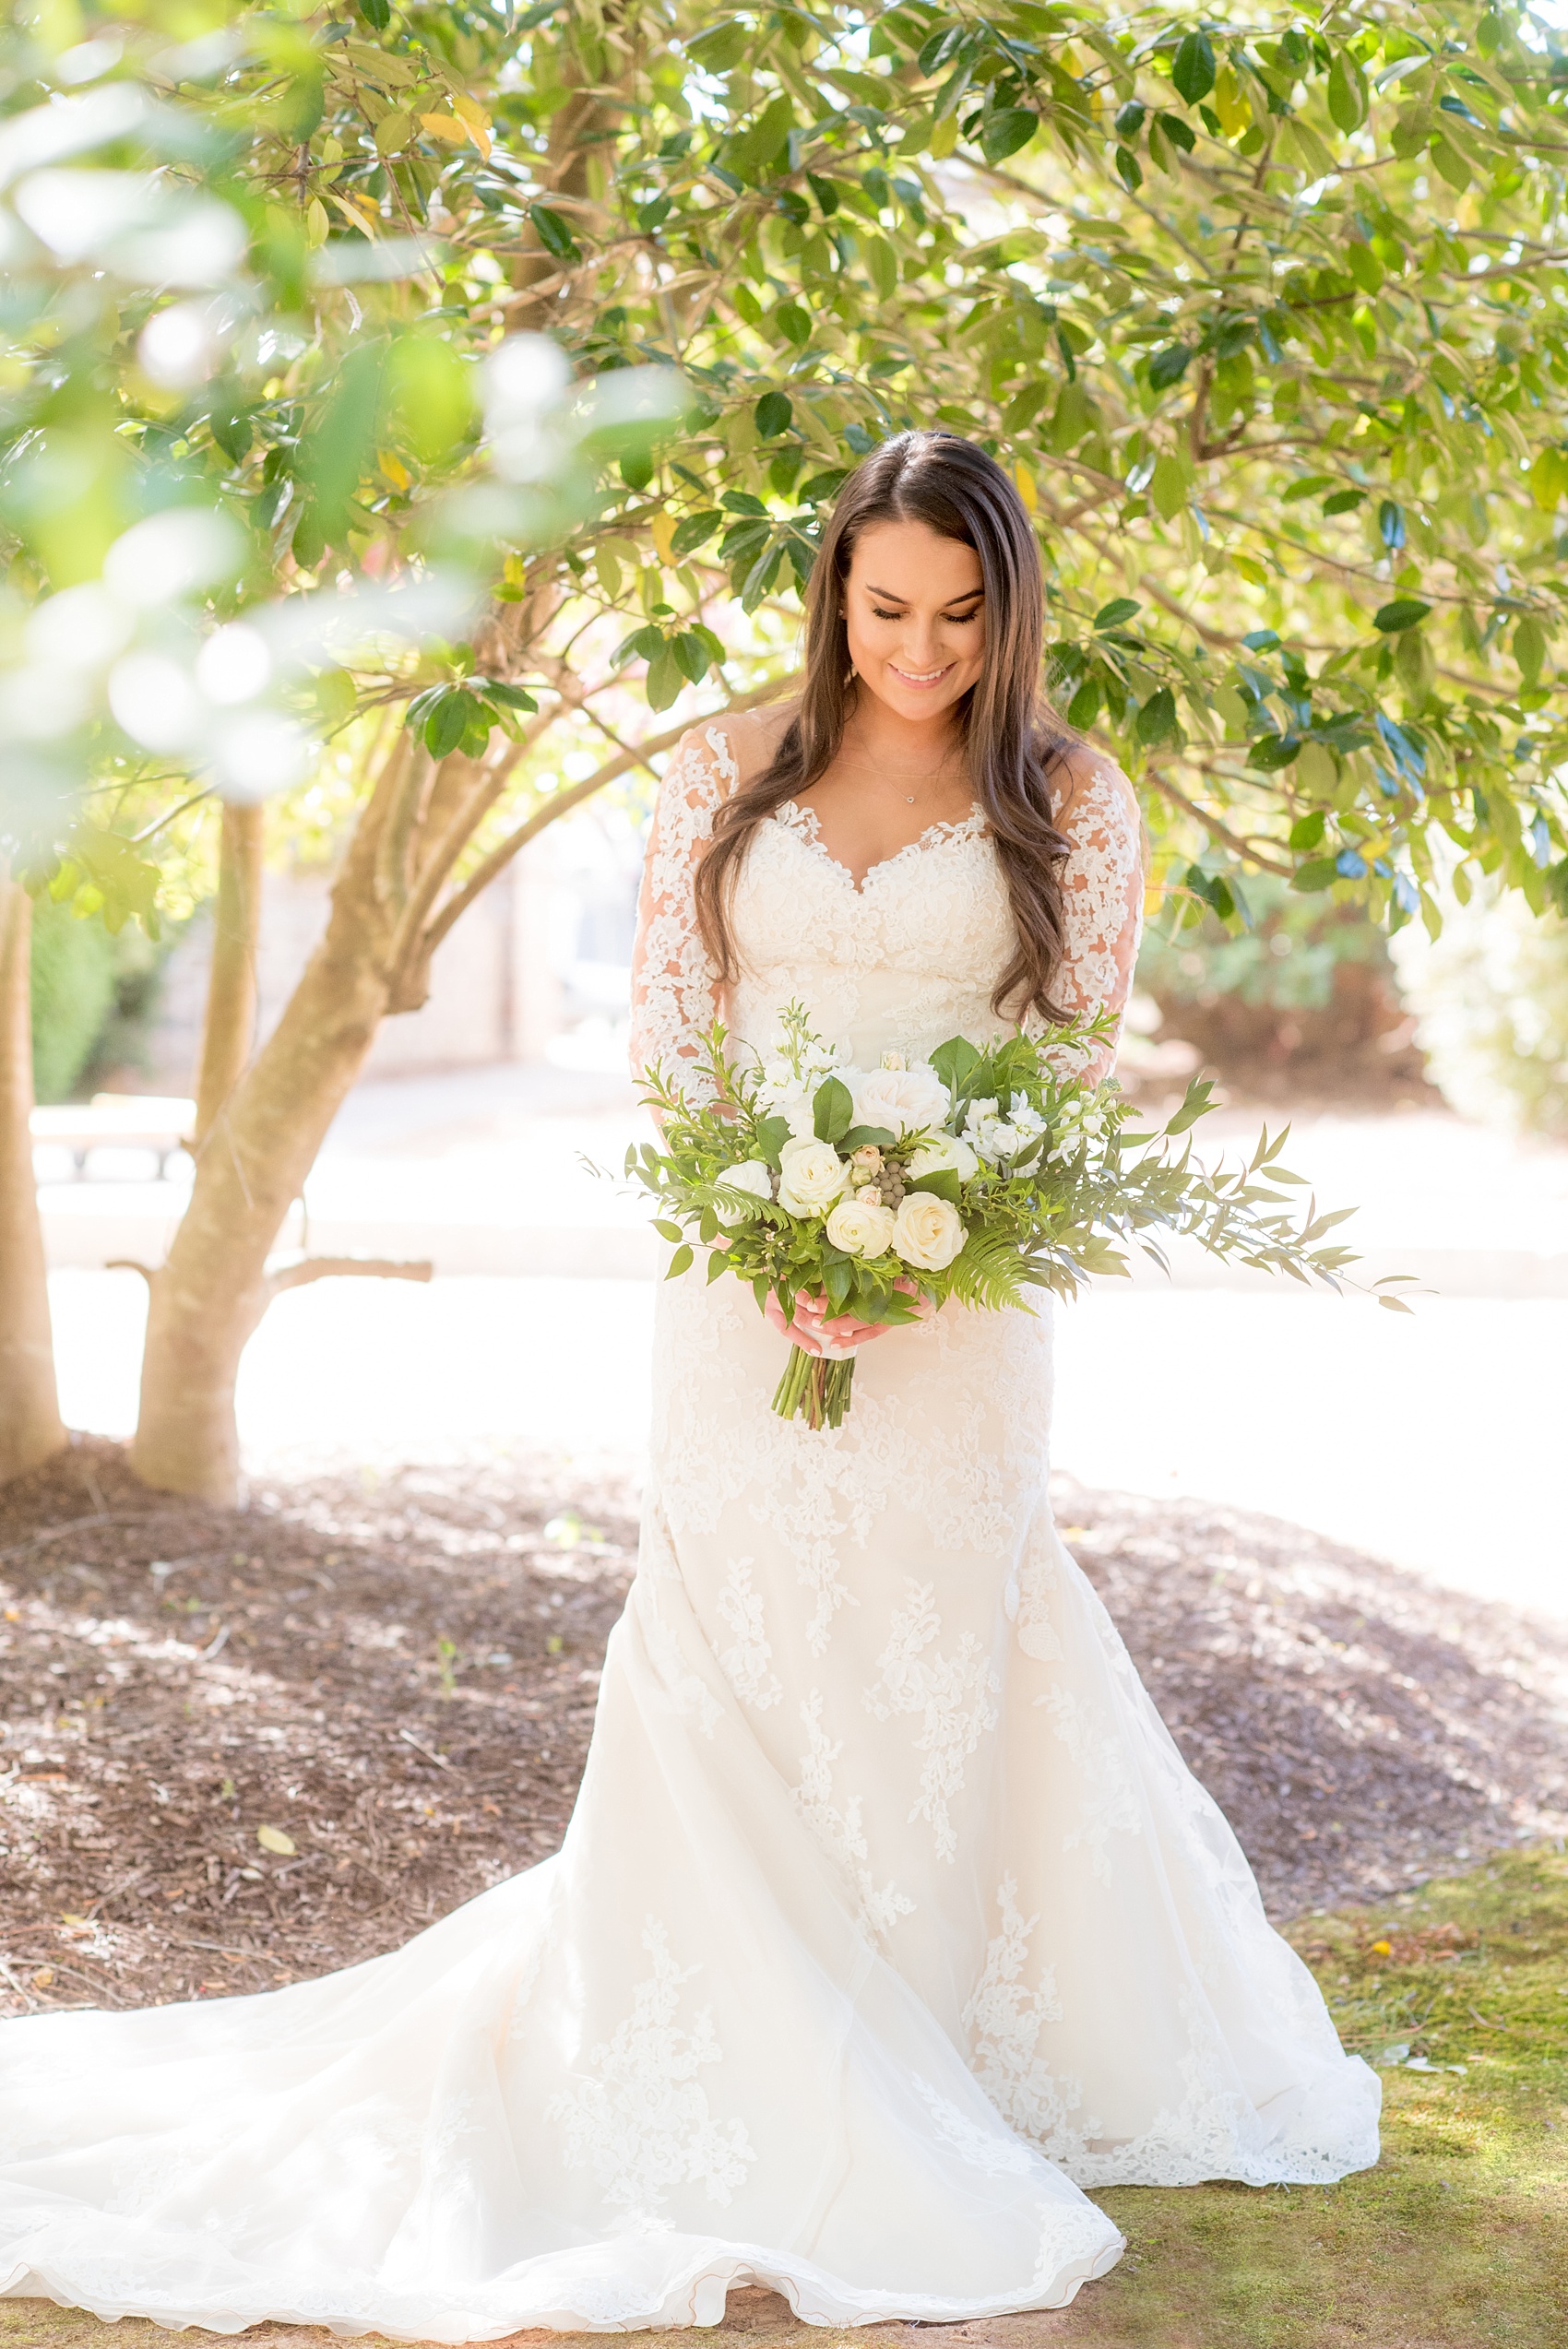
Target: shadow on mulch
{"x": 238, "y": 1747}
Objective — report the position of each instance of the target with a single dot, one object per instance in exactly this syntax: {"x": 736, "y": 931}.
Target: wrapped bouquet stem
{"x": 853, "y": 1200}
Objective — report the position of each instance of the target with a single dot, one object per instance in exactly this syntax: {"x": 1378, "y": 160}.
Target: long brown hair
{"x": 1013, "y": 740}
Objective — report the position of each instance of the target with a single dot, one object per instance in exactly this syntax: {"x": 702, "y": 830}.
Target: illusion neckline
{"x": 805, "y": 826}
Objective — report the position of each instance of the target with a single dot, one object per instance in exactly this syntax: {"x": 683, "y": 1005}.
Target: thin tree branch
{"x": 313, "y": 1268}
{"x": 559, "y": 803}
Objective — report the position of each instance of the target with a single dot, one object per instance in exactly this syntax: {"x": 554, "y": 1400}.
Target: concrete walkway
{"x": 1434, "y": 1440}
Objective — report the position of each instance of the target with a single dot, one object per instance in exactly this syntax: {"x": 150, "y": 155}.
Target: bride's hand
{"x": 812, "y": 1323}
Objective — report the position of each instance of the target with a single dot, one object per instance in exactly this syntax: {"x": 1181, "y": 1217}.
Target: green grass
{"x": 1459, "y": 2237}
{"x": 1460, "y": 2234}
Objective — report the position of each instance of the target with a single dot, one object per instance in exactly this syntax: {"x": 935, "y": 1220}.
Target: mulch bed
{"x": 238, "y": 1747}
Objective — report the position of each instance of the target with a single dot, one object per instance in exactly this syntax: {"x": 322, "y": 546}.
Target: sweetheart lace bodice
{"x": 900, "y": 961}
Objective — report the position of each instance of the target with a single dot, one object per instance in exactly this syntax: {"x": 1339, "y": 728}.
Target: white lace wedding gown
{"x": 889, "y": 1917}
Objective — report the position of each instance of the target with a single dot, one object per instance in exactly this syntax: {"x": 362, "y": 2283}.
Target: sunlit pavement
{"x": 1433, "y": 1440}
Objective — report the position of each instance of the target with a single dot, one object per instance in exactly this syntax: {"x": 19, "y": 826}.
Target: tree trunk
{"x": 229, "y": 1030}
{"x": 207, "y": 1298}
{"x": 30, "y": 1425}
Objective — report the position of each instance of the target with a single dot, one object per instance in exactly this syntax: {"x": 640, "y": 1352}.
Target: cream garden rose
{"x": 945, "y": 1154}
{"x": 752, "y": 1176}
{"x": 900, "y": 1100}
{"x": 860, "y": 1227}
{"x": 928, "y": 1232}
{"x": 811, "y": 1177}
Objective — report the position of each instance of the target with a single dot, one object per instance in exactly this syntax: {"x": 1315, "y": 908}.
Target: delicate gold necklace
{"x": 908, "y": 798}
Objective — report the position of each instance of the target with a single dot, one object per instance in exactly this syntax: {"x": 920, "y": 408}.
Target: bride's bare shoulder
{"x": 752, "y": 737}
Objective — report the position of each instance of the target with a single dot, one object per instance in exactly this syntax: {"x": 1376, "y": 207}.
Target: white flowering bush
{"x": 975, "y": 1175}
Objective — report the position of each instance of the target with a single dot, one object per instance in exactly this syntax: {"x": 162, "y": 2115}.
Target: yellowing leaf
{"x": 1027, "y": 490}
{"x": 477, "y": 120}
{"x": 317, "y": 222}
{"x": 444, "y": 127}
{"x": 273, "y": 1838}
{"x": 68, "y": 1917}
{"x": 393, "y": 132}
{"x": 663, "y": 536}
{"x": 1382, "y": 1949}
{"x": 44, "y": 1978}
{"x": 395, "y": 469}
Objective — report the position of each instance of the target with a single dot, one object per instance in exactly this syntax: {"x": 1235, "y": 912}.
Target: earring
{"x": 850, "y": 675}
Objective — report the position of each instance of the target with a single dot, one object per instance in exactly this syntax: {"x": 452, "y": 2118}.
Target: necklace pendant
{"x": 908, "y": 799}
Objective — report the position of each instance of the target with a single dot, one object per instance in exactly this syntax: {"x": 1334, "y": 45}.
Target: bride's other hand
{"x": 812, "y": 1323}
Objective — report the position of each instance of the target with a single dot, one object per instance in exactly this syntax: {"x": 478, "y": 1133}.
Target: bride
{"x": 889, "y": 1918}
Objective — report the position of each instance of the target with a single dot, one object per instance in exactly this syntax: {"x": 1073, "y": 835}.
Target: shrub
{"x": 1308, "y": 991}
{"x": 1490, "y": 999}
{"x": 72, "y": 995}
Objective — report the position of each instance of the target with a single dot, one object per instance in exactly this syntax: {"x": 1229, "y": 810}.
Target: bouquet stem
{"x": 814, "y": 1389}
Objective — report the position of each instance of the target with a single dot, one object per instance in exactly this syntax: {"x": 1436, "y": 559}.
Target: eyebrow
{"x": 888, "y": 596}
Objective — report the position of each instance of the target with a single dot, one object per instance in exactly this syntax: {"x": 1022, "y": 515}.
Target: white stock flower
{"x": 945, "y": 1154}
{"x": 811, "y": 1176}
{"x": 859, "y": 1228}
{"x": 751, "y": 1176}
{"x": 928, "y": 1232}
{"x": 900, "y": 1100}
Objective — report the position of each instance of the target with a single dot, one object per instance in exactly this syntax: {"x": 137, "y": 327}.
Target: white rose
{"x": 943, "y": 1154}
{"x": 928, "y": 1232}
{"x": 861, "y": 1229}
{"x": 751, "y": 1176}
{"x": 900, "y": 1100}
{"x": 811, "y": 1176}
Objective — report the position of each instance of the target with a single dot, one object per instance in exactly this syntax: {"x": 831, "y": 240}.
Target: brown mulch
{"x": 396, "y": 1675}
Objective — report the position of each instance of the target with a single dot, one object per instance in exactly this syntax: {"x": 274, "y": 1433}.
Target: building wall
{"x": 493, "y": 991}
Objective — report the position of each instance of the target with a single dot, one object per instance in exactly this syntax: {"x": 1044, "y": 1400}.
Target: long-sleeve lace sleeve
{"x": 675, "y": 990}
{"x": 1102, "y": 900}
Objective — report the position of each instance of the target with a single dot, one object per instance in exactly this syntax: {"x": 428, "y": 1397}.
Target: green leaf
{"x": 864, "y": 1137}
{"x": 1169, "y": 366}
{"x": 1115, "y": 613}
{"x": 553, "y": 231}
{"x": 1084, "y": 707}
{"x": 1003, "y": 133}
{"x": 1156, "y": 719}
{"x": 1347, "y": 93}
{"x": 510, "y": 697}
{"x": 692, "y": 655}
{"x": 1320, "y": 873}
{"x": 793, "y": 322}
{"x": 665, "y": 677}
{"x": 769, "y": 1139}
{"x": 693, "y": 532}
{"x": 833, "y": 1110}
{"x": 721, "y": 47}
{"x": 680, "y": 1262}
{"x": 1168, "y": 488}
{"x": 449, "y": 722}
{"x": 1344, "y": 501}
{"x": 1192, "y": 72}
{"x": 955, "y": 1061}
{"x": 941, "y": 1180}
{"x": 773, "y": 414}
{"x": 1198, "y": 1102}
{"x": 1529, "y": 648}
{"x": 1405, "y": 611}
{"x": 1308, "y": 830}
{"x": 377, "y": 13}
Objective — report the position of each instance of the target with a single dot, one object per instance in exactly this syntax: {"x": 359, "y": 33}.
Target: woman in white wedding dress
{"x": 889, "y": 1918}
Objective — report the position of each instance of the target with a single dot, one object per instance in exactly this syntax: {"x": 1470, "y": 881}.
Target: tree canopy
{"x": 1266, "y": 313}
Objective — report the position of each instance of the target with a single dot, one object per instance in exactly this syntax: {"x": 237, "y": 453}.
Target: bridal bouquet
{"x": 977, "y": 1174}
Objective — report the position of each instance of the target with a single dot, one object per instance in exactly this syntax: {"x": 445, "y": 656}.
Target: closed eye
{"x": 954, "y": 618}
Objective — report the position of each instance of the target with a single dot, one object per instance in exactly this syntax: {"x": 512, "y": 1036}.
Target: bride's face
{"x": 915, "y": 614}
